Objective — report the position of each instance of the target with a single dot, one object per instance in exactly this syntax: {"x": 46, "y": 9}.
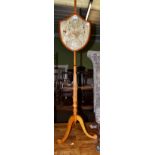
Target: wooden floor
{"x": 77, "y": 143}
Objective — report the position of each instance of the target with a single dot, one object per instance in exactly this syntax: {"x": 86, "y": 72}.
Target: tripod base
{"x": 72, "y": 120}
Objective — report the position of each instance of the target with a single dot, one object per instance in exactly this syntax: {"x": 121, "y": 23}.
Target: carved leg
{"x": 69, "y": 125}
{"x": 79, "y": 118}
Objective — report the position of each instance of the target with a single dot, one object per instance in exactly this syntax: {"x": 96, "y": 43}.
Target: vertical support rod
{"x": 75, "y": 6}
{"x": 75, "y": 86}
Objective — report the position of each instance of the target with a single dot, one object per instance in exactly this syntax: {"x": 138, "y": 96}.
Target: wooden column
{"x": 75, "y": 87}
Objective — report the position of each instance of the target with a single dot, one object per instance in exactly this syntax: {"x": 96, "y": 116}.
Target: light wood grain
{"x": 74, "y": 118}
{"x": 77, "y": 143}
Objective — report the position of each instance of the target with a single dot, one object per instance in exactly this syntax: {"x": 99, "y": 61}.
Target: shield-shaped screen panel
{"x": 74, "y": 32}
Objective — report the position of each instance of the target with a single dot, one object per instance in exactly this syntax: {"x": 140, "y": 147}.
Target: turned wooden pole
{"x": 75, "y": 86}
{"x": 75, "y": 6}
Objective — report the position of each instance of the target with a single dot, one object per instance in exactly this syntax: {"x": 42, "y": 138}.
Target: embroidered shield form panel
{"x": 74, "y": 32}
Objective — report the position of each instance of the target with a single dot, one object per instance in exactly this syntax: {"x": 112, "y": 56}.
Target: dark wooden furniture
{"x": 64, "y": 91}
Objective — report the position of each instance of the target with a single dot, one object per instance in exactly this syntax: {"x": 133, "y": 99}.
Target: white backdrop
{"x": 128, "y": 73}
